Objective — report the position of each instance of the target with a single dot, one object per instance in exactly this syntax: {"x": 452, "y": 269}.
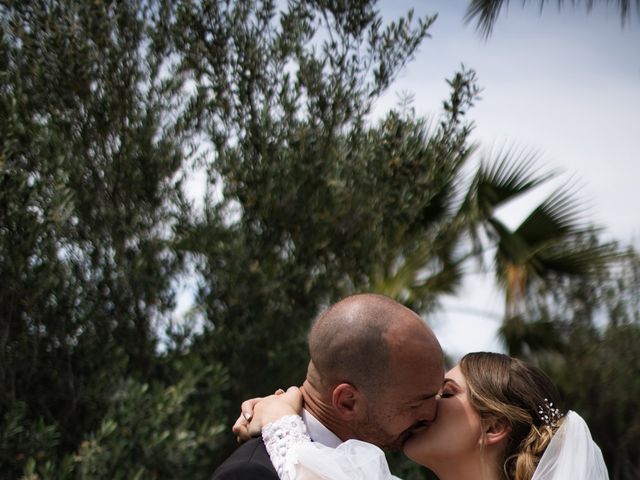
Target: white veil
{"x": 572, "y": 453}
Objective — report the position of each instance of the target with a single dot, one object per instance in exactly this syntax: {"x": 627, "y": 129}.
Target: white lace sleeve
{"x": 282, "y": 439}
{"x": 296, "y": 457}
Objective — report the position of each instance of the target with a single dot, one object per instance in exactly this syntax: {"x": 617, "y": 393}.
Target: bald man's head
{"x": 353, "y": 341}
{"x": 375, "y": 370}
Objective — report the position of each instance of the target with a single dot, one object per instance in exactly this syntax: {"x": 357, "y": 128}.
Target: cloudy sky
{"x": 565, "y": 84}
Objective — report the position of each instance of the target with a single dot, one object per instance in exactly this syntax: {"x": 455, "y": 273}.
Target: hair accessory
{"x": 549, "y": 415}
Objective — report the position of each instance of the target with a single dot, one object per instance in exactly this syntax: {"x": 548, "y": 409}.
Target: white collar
{"x": 318, "y": 432}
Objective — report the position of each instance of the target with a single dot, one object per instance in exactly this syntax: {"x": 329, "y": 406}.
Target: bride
{"x": 498, "y": 418}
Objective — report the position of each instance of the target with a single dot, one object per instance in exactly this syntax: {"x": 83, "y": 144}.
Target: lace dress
{"x": 296, "y": 457}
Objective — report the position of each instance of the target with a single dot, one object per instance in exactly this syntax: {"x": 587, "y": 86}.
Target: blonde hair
{"x": 502, "y": 387}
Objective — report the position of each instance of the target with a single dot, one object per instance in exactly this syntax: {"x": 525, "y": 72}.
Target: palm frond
{"x": 498, "y": 179}
{"x": 510, "y": 174}
{"x": 418, "y": 277}
{"x": 559, "y": 216}
{"x": 486, "y": 12}
{"x": 553, "y": 240}
{"x": 444, "y": 281}
{"x": 512, "y": 247}
{"x": 577, "y": 260}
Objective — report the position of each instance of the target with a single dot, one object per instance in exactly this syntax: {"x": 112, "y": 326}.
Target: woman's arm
{"x": 283, "y": 438}
{"x": 295, "y": 457}
{"x": 283, "y": 430}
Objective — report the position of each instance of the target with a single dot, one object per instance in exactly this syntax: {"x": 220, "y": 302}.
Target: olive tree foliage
{"x": 90, "y": 163}
{"x": 149, "y": 429}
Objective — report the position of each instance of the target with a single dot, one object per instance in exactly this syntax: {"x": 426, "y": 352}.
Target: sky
{"x": 562, "y": 83}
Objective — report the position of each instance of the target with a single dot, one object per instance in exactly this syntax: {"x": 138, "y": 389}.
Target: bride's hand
{"x": 241, "y": 426}
{"x": 258, "y": 412}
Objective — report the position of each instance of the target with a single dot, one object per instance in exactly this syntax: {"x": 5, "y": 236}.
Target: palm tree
{"x": 486, "y": 12}
{"x": 552, "y": 242}
{"x": 549, "y": 244}
{"x": 436, "y": 265}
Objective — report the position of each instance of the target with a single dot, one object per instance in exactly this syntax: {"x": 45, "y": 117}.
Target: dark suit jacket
{"x": 249, "y": 461}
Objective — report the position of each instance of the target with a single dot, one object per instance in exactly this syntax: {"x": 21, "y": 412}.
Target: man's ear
{"x": 495, "y": 431}
{"x": 346, "y": 400}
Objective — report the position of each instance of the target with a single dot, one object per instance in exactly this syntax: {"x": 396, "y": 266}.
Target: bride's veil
{"x": 572, "y": 453}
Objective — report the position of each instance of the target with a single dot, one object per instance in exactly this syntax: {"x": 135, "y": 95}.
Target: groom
{"x": 374, "y": 373}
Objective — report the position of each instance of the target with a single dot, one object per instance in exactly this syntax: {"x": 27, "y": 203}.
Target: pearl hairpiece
{"x": 549, "y": 415}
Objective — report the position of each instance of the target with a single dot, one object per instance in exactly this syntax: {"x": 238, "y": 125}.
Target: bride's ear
{"x": 346, "y": 400}
{"x": 495, "y": 431}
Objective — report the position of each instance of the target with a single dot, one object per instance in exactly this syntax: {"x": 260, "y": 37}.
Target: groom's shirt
{"x": 318, "y": 432}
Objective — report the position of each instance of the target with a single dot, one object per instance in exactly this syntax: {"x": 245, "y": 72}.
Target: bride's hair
{"x": 502, "y": 387}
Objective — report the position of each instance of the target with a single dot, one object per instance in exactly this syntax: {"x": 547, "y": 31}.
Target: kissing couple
{"x": 376, "y": 382}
